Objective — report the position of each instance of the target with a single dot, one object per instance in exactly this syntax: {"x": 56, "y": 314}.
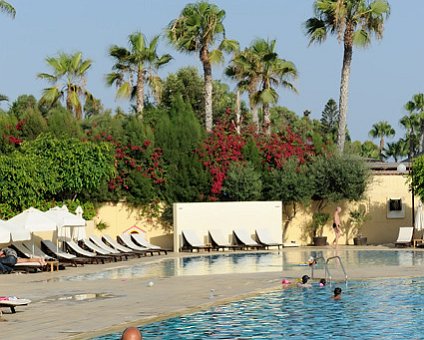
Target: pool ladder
{"x": 327, "y": 271}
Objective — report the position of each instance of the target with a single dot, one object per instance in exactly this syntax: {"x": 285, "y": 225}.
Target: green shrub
{"x": 243, "y": 183}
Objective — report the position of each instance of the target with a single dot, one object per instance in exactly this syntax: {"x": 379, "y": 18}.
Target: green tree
{"x": 354, "y": 22}
{"x": 23, "y": 104}
{"x": 329, "y": 119}
{"x": 274, "y": 72}
{"x": 69, "y": 76}
{"x": 242, "y": 183}
{"x": 188, "y": 84}
{"x": 136, "y": 66}
{"x": 198, "y": 28}
{"x": 338, "y": 178}
{"x": 62, "y": 124}
{"x": 414, "y": 123}
{"x": 179, "y": 133}
{"x": 396, "y": 150}
{"x": 245, "y": 69}
{"x": 7, "y": 8}
{"x": 381, "y": 130}
{"x": 370, "y": 150}
{"x": 81, "y": 167}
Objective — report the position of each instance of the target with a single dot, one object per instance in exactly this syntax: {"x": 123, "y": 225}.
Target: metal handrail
{"x": 315, "y": 263}
{"x": 341, "y": 265}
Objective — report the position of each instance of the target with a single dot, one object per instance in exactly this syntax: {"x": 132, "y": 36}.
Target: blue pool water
{"x": 249, "y": 263}
{"x": 373, "y": 309}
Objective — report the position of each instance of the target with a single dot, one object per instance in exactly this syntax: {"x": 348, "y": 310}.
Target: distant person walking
{"x": 336, "y": 226}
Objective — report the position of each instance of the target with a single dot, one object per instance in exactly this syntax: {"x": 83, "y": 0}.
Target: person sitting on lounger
{"x": 8, "y": 259}
{"x": 131, "y": 333}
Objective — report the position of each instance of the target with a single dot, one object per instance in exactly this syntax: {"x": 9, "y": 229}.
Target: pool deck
{"x": 59, "y": 310}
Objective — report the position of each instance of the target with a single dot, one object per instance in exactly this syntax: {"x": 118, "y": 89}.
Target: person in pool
{"x": 337, "y": 293}
{"x": 304, "y": 282}
{"x": 322, "y": 282}
{"x": 131, "y": 333}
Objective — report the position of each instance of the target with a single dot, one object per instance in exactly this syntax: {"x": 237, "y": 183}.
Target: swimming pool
{"x": 371, "y": 309}
{"x": 226, "y": 263}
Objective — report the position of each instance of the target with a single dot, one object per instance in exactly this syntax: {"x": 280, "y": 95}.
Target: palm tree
{"x": 198, "y": 28}
{"x": 354, "y": 22}
{"x": 69, "y": 76}
{"x": 258, "y": 69}
{"x": 381, "y": 130}
{"x": 136, "y": 66}
{"x": 415, "y": 107}
{"x": 7, "y": 8}
{"x": 274, "y": 72}
{"x": 396, "y": 149}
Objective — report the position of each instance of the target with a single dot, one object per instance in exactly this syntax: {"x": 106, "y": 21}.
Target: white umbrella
{"x": 64, "y": 220}
{"x": 15, "y": 234}
{"x": 80, "y": 233}
{"x": 32, "y": 220}
{"x": 419, "y": 217}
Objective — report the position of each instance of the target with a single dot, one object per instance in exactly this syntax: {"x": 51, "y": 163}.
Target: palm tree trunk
{"x": 207, "y": 73}
{"x": 344, "y": 90}
{"x": 381, "y": 148}
{"x": 421, "y": 144}
{"x": 267, "y": 119}
{"x": 140, "y": 93}
{"x": 252, "y": 104}
{"x": 238, "y": 114}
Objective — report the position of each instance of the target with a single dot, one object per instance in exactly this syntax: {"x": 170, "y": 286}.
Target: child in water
{"x": 304, "y": 282}
{"x": 322, "y": 282}
{"x": 337, "y": 293}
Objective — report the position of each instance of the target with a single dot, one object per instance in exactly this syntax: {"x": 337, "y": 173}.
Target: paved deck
{"x": 64, "y": 310}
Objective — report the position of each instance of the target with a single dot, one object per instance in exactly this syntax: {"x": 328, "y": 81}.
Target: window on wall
{"x": 395, "y": 208}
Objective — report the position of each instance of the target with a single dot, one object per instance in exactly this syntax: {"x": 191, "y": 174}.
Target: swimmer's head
{"x": 305, "y": 279}
{"x": 337, "y": 291}
{"x": 322, "y": 282}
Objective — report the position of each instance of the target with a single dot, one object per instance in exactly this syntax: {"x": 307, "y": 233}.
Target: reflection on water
{"x": 252, "y": 262}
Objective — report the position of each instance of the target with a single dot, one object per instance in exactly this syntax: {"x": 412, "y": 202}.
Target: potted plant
{"x": 319, "y": 219}
{"x": 357, "y": 218}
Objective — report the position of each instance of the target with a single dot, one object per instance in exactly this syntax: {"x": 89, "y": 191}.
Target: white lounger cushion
{"x": 245, "y": 238}
{"x": 265, "y": 237}
{"x": 143, "y": 242}
{"x": 218, "y": 237}
{"x": 192, "y": 238}
{"x": 405, "y": 235}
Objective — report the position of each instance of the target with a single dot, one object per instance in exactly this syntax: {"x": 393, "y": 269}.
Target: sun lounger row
{"x": 241, "y": 239}
{"x": 102, "y": 249}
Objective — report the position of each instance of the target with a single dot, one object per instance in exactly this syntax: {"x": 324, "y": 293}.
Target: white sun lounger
{"x": 405, "y": 236}
{"x": 12, "y": 302}
{"x": 49, "y": 247}
{"x": 243, "y": 238}
{"x": 99, "y": 242}
{"x": 219, "y": 241}
{"x": 140, "y": 240}
{"x": 75, "y": 248}
{"x": 110, "y": 241}
{"x": 265, "y": 238}
{"x": 95, "y": 248}
{"x": 191, "y": 241}
{"x": 127, "y": 241}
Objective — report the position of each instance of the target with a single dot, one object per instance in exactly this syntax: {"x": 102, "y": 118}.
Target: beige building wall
{"x": 379, "y": 228}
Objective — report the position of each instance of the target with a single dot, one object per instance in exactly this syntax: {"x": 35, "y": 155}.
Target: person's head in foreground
{"x": 322, "y": 282}
{"x": 305, "y": 279}
{"x": 337, "y": 293}
{"x": 131, "y": 333}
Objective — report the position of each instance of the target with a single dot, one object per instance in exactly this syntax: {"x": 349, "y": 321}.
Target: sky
{"x": 384, "y": 76}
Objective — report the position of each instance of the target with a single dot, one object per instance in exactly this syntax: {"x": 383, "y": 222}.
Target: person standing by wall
{"x": 336, "y": 226}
